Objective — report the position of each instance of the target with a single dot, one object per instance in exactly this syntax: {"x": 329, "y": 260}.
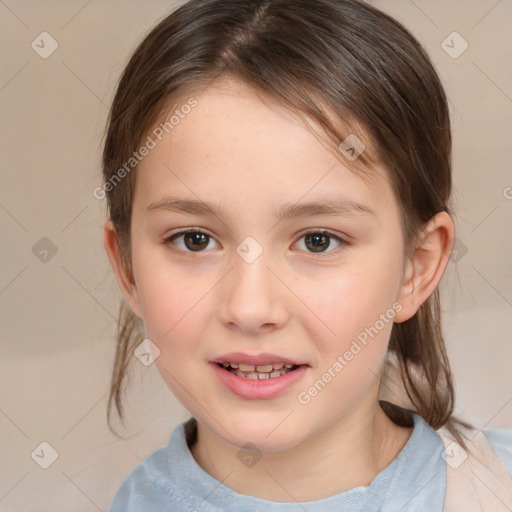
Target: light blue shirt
{"x": 171, "y": 480}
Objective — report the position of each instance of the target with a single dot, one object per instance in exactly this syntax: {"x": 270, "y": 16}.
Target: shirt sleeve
{"x": 146, "y": 488}
{"x": 501, "y": 441}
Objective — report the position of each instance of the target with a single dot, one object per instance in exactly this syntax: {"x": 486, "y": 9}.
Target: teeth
{"x": 246, "y": 367}
{"x": 259, "y": 376}
{"x": 264, "y": 368}
{"x": 259, "y": 372}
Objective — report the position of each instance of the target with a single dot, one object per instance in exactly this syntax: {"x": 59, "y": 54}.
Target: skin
{"x": 252, "y": 156}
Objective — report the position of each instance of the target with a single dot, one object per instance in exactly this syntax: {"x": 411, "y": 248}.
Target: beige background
{"x": 57, "y": 317}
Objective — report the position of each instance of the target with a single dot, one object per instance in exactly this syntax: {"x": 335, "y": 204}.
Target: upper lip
{"x": 256, "y": 360}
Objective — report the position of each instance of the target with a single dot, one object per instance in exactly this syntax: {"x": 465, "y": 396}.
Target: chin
{"x": 267, "y": 435}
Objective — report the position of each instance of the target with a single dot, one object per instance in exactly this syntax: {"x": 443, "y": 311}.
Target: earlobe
{"x": 124, "y": 277}
{"x": 424, "y": 270}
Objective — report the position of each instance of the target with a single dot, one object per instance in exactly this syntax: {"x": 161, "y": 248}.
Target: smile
{"x": 266, "y": 371}
{"x": 258, "y": 382}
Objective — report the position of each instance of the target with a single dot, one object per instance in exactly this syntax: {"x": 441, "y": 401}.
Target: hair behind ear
{"x": 129, "y": 334}
{"x": 419, "y": 357}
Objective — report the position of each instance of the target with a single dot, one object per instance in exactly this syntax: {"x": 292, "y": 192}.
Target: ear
{"x": 424, "y": 270}
{"x": 124, "y": 277}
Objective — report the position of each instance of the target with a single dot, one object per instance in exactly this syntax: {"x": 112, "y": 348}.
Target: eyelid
{"x": 332, "y": 234}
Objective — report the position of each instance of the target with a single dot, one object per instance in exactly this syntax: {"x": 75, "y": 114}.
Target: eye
{"x": 194, "y": 240}
{"x": 319, "y": 241}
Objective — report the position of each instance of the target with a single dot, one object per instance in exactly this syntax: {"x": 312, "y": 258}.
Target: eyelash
{"x": 170, "y": 239}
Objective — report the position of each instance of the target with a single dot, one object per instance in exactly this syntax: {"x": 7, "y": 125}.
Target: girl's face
{"x": 252, "y": 281}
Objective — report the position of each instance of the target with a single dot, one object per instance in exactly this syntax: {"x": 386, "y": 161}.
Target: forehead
{"x": 236, "y": 142}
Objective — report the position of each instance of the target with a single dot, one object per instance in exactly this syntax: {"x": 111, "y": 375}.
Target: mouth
{"x": 259, "y": 372}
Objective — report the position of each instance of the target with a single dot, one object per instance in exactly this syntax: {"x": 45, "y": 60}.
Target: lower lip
{"x": 257, "y": 389}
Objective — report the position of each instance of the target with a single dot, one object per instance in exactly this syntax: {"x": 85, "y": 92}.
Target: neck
{"x": 348, "y": 454}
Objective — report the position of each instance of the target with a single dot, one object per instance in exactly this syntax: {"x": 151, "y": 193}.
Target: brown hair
{"x": 316, "y": 57}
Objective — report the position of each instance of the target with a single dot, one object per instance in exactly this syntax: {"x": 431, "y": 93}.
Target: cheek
{"x": 173, "y": 307}
{"x": 359, "y": 309}
{"x": 171, "y": 300}
{"x": 172, "y": 314}
{"x": 343, "y": 305}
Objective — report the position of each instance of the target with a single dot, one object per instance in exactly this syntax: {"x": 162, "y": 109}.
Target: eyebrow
{"x": 338, "y": 207}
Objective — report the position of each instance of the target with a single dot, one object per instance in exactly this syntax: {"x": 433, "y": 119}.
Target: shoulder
{"x": 501, "y": 441}
{"x": 149, "y": 487}
{"x": 140, "y": 490}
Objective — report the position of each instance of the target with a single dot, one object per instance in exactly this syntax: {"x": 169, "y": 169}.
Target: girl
{"x": 278, "y": 178}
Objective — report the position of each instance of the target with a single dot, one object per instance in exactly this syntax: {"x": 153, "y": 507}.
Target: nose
{"x": 256, "y": 298}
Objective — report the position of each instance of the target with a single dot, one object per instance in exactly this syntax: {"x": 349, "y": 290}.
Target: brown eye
{"x": 320, "y": 241}
{"x": 317, "y": 242}
{"x": 197, "y": 241}
{"x": 193, "y": 240}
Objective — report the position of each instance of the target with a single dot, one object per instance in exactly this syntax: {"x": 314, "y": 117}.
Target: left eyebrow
{"x": 287, "y": 211}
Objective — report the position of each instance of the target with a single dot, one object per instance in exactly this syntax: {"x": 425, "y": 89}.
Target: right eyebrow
{"x": 192, "y": 206}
